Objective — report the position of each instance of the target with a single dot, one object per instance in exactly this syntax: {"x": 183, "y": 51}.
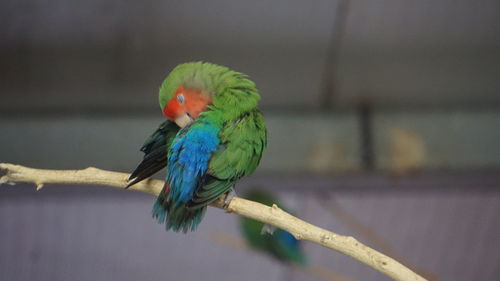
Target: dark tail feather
{"x": 177, "y": 218}
{"x": 155, "y": 152}
{"x": 143, "y": 172}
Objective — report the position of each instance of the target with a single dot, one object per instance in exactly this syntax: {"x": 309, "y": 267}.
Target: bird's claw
{"x": 229, "y": 196}
{"x": 267, "y": 229}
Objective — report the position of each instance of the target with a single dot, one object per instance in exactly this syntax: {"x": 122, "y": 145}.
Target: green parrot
{"x": 279, "y": 244}
{"x": 214, "y": 135}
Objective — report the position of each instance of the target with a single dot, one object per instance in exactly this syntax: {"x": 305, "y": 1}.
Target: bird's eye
{"x": 180, "y": 98}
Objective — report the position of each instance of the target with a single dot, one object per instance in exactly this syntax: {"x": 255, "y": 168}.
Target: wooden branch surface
{"x": 302, "y": 230}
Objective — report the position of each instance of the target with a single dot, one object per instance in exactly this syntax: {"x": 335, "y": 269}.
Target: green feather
{"x": 243, "y": 141}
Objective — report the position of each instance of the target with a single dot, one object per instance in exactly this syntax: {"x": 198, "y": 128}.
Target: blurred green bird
{"x": 280, "y": 244}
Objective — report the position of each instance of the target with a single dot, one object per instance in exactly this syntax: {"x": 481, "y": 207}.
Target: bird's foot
{"x": 267, "y": 229}
{"x": 229, "y": 196}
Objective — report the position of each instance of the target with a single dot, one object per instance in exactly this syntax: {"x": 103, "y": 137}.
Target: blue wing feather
{"x": 188, "y": 159}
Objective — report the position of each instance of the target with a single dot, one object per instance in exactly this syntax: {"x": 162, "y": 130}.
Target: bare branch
{"x": 270, "y": 215}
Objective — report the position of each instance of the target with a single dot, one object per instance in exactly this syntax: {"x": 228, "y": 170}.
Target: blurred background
{"x": 383, "y": 119}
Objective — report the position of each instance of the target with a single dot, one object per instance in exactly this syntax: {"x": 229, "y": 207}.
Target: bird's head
{"x": 186, "y": 105}
{"x": 200, "y": 88}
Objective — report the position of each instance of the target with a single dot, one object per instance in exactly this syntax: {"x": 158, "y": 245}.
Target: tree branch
{"x": 270, "y": 215}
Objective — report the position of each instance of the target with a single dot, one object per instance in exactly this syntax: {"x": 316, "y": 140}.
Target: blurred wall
{"x": 115, "y": 53}
{"x": 85, "y": 233}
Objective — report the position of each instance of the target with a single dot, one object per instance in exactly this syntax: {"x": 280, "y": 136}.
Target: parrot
{"x": 279, "y": 244}
{"x": 214, "y": 134}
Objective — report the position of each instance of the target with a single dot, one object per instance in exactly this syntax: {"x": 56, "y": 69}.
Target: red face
{"x": 190, "y": 102}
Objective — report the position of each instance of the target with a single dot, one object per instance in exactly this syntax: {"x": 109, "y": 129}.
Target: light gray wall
{"x": 86, "y": 233}
{"x": 315, "y": 143}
